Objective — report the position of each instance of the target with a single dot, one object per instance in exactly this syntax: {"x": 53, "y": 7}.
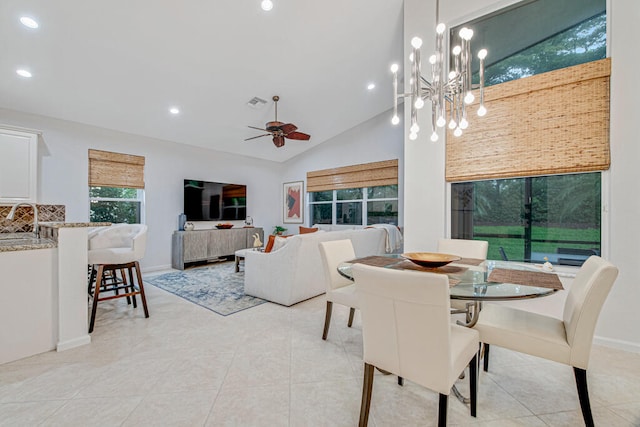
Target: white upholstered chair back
{"x": 333, "y": 253}
{"x": 463, "y": 248}
{"x": 406, "y": 324}
{"x": 582, "y": 307}
{"x": 123, "y": 242}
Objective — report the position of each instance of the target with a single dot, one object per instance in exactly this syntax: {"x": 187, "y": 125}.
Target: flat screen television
{"x": 214, "y": 201}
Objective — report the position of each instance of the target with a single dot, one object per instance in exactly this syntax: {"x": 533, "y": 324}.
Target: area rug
{"x": 217, "y": 288}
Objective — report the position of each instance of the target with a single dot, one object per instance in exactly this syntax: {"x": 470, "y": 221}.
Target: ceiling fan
{"x": 280, "y": 130}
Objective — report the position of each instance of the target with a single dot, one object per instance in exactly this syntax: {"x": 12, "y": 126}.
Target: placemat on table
{"x": 529, "y": 278}
{"x": 375, "y": 261}
{"x": 445, "y": 269}
{"x": 470, "y": 261}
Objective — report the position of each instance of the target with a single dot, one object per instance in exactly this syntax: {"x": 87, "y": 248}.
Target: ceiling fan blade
{"x": 253, "y": 127}
{"x": 278, "y": 141}
{"x": 298, "y": 135}
{"x": 288, "y": 128}
{"x": 259, "y": 136}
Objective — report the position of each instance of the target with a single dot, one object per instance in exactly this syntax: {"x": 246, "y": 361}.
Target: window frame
{"x": 363, "y": 201}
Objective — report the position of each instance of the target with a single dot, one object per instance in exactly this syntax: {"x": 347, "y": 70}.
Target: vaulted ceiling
{"x": 122, "y": 64}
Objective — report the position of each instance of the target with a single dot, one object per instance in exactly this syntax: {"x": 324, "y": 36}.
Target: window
{"x": 554, "y": 216}
{"x": 116, "y": 187}
{"x": 117, "y": 205}
{"x": 528, "y": 219}
{"x": 355, "y": 206}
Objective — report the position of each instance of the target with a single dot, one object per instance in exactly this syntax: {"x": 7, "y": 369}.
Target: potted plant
{"x": 278, "y": 230}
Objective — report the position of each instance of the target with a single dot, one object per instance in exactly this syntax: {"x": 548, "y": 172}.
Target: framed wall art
{"x": 293, "y": 202}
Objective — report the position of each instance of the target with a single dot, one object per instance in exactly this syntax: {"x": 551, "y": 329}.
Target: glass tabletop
{"x": 472, "y": 281}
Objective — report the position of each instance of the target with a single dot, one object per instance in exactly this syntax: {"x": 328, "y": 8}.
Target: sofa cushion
{"x": 307, "y": 230}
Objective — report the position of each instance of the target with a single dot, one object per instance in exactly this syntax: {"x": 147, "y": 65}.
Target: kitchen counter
{"x": 10, "y": 242}
{"x": 48, "y": 239}
{"x": 44, "y": 281}
{"x": 74, "y": 224}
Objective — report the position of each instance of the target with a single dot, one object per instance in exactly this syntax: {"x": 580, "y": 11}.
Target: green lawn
{"x": 514, "y": 247}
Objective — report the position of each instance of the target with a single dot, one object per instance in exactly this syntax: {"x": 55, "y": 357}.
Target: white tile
{"x": 268, "y": 365}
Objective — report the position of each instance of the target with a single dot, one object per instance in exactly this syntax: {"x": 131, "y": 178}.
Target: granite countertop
{"x": 10, "y": 242}
{"x": 73, "y": 224}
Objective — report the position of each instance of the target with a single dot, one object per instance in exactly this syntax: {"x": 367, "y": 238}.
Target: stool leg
{"x": 96, "y": 295}
{"x": 142, "y": 296}
{"x": 124, "y": 282}
{"x": 133, "y": 297}
{"x": 92, "y": 278}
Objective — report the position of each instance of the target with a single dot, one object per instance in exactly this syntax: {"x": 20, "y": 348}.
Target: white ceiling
{"x": 121, "y": 64}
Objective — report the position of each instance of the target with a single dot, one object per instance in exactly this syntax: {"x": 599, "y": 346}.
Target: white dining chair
{"x": 407, "y": 331}
{"x": 339, "y": 289}
{"x": 567, "y": 340}
{"x": 464, "y": 248}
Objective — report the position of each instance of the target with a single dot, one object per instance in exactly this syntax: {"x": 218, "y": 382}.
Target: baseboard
{"x": 76, "y": 342}
{"x": 619, "y": 344}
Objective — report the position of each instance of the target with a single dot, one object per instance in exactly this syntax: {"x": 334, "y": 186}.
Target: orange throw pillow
{"x": 306, "y": 230}
{"x": 272, "y": 239}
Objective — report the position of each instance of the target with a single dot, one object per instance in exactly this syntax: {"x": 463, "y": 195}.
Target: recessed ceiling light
{"x": 371, "y": 86}
{"x": 23, "y": 73}
{"x": 29, "y": 22}
{"x": 266, "y": 5}
{"x": 174, "y": 110}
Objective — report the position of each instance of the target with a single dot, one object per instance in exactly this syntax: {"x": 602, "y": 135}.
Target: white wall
{"x": 425, "y": 190}
{"x": 372, "y": 141}
{"x": 63, "y": 166}
{"x": 620, "y": 317}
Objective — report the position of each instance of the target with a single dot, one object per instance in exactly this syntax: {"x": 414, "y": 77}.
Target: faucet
{"x": 36, "y": 232}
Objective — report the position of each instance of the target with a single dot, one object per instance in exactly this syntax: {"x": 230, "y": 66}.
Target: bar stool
{"x": 113, "y": 249}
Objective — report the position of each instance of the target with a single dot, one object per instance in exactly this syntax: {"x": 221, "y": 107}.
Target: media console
{"x": 208, "y": 245}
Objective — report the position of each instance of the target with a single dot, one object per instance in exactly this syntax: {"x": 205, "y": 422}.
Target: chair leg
{"x": 96, "y": 294}
{"x": 327, "y": 319}
{"x": 141, "y": 286}
{"x": 352, "y": 312}
{"x": 583, "y": 395}
{"x": 486, "y": 358}
{"x": 473, "y": 384}
{"x": 367, "y": 387}
{"x": 443, "y": 404}
{"x": 400, "y": 381}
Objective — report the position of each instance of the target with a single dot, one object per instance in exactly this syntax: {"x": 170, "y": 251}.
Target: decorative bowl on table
{"x": 430, "y": 259}
{"x": 224, "y": 226}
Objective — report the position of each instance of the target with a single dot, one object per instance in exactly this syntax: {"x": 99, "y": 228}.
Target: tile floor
{"x": 268, "y": 366}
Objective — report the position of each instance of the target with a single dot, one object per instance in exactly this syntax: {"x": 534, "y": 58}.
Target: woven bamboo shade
{"x": 107, "y": 169}
{"x": 356, "y": 176}
{"x": 551, "y": 123}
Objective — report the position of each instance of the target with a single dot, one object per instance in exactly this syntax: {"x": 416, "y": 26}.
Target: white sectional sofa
{"x": 294, "y": 272}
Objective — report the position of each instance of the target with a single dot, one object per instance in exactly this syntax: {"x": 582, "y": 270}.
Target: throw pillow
{"x": 270, "y": 243}
{"x": 306, "y": 230}
{"x": 279, "y": 243}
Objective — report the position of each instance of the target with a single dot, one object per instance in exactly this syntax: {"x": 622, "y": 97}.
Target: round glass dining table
{"x": 469, "y": 282}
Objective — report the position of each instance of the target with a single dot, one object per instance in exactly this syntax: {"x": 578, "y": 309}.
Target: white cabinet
{"x": 18, "y": 166}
